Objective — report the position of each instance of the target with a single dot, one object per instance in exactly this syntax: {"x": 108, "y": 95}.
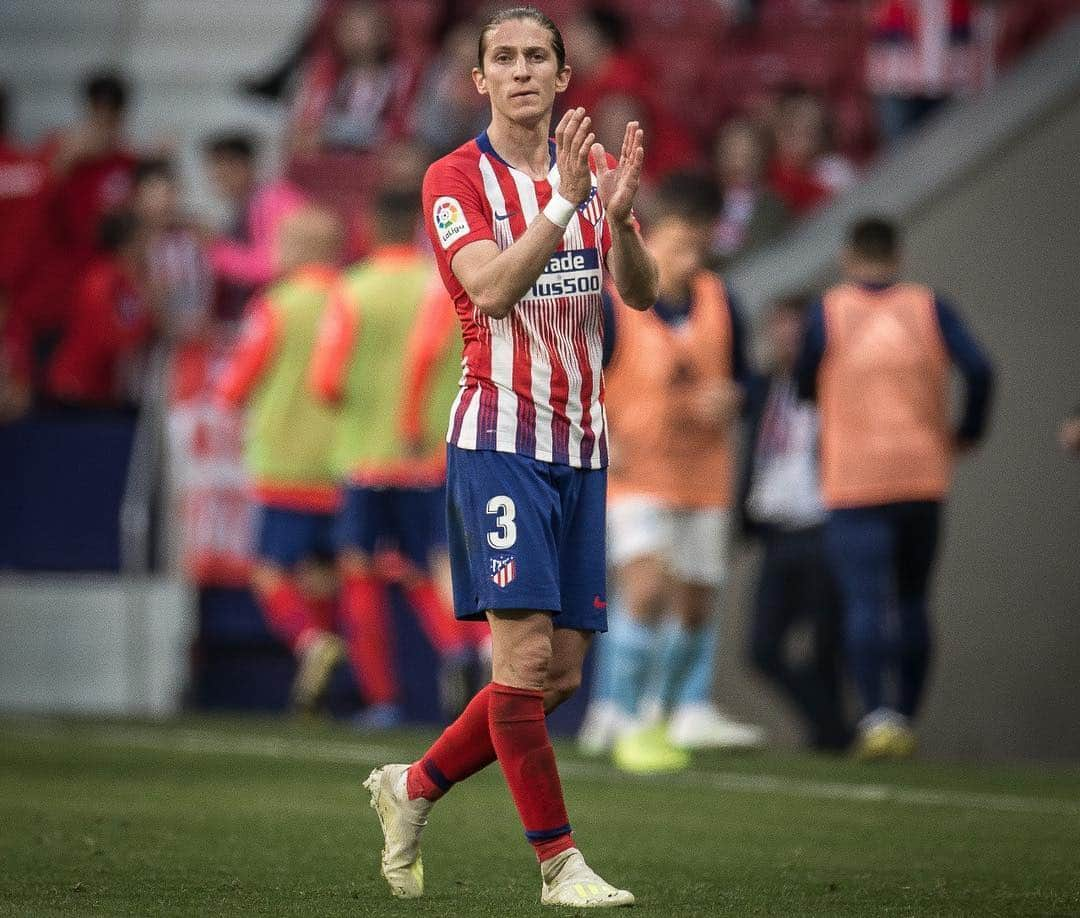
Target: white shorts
{"x": 693, "y": 542}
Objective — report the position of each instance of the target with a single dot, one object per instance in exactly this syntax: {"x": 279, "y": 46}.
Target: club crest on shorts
{"x": 503, "y": 571}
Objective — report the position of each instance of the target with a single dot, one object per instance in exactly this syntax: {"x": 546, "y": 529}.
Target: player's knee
{"x": 695, "y": 606}
{"x": 266, "y": 577}
{"x": 354, "y": 563}
{"x": 526, "y": 666}
{"x": 647, "y": 607}
{"x": 561, "y": 687}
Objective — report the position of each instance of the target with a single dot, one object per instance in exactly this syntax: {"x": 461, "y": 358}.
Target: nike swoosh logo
{"x": 502, "y": 216}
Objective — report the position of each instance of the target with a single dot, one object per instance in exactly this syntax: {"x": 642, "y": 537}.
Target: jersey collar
{"x": 484, "y": 143}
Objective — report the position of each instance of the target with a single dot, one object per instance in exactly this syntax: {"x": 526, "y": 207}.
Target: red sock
{"x": 323, "y": 611}
{"x": 368, "y": 626}
{"x": 288, "y": 613}
{"x": 463, "y": 749}
{"x": 519, "y": 735}
{"x": 436, "y": 618}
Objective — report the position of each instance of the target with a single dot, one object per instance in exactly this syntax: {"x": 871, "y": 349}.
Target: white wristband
{"x": 559, "y": 210}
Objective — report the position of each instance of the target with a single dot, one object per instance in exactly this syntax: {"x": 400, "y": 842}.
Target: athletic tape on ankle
{"x": 559, "y": 210}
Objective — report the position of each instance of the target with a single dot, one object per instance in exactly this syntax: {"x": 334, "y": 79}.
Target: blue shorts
{"x": 525, "y": 534}
{"x": 287, "y": 537}
{"x": 410, "y": 520}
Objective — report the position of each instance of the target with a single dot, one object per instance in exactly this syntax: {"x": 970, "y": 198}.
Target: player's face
{"x": 521, "y": 73}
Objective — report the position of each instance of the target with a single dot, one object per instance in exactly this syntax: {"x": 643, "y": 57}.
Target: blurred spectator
{"x": 448, "y": 108}
{"x": 91, "y": 171}
{"x": 612, "y": 82}
{"x": 877, "y": 357}
{"x": 923, "y": 52}
{"x": 780, "y": 504}
{"x": 288, "y": 444}
{"x": 355, "y": 94}
{"x": 23, "y": 186}
{"x": 243, "y": 257}
{"x": 97, "y": 362}
{"x": 805, "y": 171}
{"x": 93, "y": 168}
{"x": 750, "y": 215}
{"x": 178, "y": 274}
{"x": 1069, "y": 435}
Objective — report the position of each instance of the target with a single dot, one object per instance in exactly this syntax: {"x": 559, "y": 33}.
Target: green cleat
{"x": 648, "y": 751}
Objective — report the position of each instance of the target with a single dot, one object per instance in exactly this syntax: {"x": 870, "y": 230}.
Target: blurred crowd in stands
{"x": 781, "y": 102}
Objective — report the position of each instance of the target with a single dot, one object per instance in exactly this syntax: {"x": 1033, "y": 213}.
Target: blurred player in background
{"x": 780, "y": 505}
{"x": 288, "y": 442}
{"x": 675, "y": 385}
{"x": 876, "y": 357}
{"x": 387, "y": 451}
{"x": 521, "y": 225}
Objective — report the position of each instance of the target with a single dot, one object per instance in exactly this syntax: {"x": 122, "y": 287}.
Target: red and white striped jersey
{"x": 532, "y": 381}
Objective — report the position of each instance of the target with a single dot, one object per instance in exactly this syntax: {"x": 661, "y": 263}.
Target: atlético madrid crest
{"x": 592, "y": 211}
{"x": 503, "y": 571}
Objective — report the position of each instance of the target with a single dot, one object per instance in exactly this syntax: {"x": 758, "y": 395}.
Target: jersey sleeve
{"x": 432, "y": 333}
{"x": 338, "y": 333}
{"x": 454, "y": 213}
{"x": 253, "y": 353}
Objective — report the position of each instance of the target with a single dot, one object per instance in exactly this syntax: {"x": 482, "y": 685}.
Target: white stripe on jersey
{"x": 534, "y": 318}
{"x": 502, "y": 330}
{"x": 472, "y": 415}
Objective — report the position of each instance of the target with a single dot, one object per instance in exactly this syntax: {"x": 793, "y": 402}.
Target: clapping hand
{"x": 617, "y": 187}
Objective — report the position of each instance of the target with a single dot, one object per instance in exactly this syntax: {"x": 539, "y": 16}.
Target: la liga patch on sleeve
{"x": 450, "y": 222}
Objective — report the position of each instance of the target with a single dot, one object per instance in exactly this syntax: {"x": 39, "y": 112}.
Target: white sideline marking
{"x": 361, "y": 752}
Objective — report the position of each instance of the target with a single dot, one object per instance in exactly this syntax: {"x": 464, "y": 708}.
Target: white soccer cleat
{"x": 703, "y": 726}
{"x": 603, "y": 724}
{"x": 568, "y": 880}
{"x": 402, "y": 821}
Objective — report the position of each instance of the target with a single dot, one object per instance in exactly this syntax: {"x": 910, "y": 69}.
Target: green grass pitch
{"x": 226, "y": 816}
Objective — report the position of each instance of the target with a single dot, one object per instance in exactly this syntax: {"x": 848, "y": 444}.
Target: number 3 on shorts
{"x": 504, "y": 511}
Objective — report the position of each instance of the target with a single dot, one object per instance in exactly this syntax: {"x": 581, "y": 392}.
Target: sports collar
{"x": 484, "y": 143}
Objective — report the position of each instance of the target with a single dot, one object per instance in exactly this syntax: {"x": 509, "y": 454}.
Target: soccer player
{"x": 522, "y": 226}
{"x": 384, "y": 450}
{"x": 877, "y": 356}
{"x": 289, "y": 434}
{"x": 675, "y": 385}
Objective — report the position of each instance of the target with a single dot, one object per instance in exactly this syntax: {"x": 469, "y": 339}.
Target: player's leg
{"x": 636, "y": 604}
{"x": 581, "y": 565}
{"x": 418, "y": 534}
{"x": 279, "y": 547}
{"x": 491, "y": 498}
{"x": 699, "y": 560}
{"x": 822, "y": 606}
{"x": 916, "y": 550}
{"x": 316, "y": 577}
{"x": 860, "y": 543}
{"x": 776, "y": 610}
{"x": 364, "y": 604}
{"x": 285, "y": 538}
